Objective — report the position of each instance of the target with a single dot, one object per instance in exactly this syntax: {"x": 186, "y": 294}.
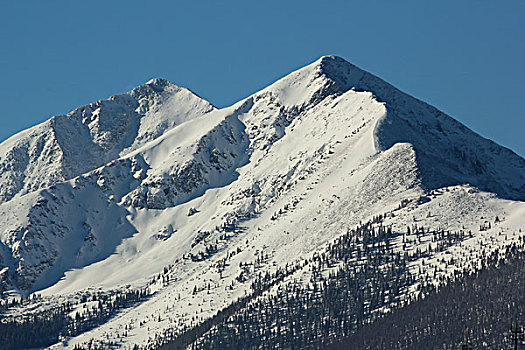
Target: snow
{"x": 64, "y": 147}
{"x": 292, "y": 167}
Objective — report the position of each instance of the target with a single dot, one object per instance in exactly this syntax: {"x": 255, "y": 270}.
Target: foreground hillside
{"x": 154, "y": 216}
{"x": 334, "y": 312}
{"x": 486, "y": 304}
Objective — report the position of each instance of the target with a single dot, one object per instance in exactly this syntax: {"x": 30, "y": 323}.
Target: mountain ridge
{"x": 232, "y": 136}
{"x": 199, "y": 192}
{"x": 96, "y": 130}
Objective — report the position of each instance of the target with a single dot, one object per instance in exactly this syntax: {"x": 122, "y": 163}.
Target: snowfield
{"x": 158, "y": 189}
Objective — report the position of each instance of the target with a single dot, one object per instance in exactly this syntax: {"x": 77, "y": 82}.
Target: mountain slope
{"x": 67, "y": 146}
{"x": 198, "y": 194}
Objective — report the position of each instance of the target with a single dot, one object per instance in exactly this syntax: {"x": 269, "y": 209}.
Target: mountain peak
{"x": 159, "y": 82}
{"x": 331, "y": 60}
{"x": 155, "y": 198}
{"x": 158, "y": 85}
{"x": 342, "y": 72}
{"x": 328, "y": 75}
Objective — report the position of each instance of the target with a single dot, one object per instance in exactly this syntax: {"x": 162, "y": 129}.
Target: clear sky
{"x": 464, "y": 57}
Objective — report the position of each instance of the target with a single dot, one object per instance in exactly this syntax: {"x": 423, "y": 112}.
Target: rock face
{"x": 107, "y": 177}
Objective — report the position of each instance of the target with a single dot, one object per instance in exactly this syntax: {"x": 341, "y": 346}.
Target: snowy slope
{"x": 66, "y": 146}
{"x": 169, "y": 184}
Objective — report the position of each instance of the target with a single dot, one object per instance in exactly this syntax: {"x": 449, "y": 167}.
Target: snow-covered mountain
{"x": 157, "y": 180}
{"x": 64, "y": 147}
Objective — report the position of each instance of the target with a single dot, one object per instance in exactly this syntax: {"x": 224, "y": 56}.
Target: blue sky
{"x": 464, "y": 57}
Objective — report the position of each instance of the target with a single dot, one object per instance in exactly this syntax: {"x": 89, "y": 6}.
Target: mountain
{"x": 158, "y": 189}
{"x": 67, "y": 146}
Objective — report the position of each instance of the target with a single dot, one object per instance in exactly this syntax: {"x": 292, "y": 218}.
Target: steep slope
{"x": 478, "y": 303}
{"x": 68, "y": 225}
{"x": 67, "y": 146}
{"x": 200, "y": 194}
{"x": 462, "y": 155}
